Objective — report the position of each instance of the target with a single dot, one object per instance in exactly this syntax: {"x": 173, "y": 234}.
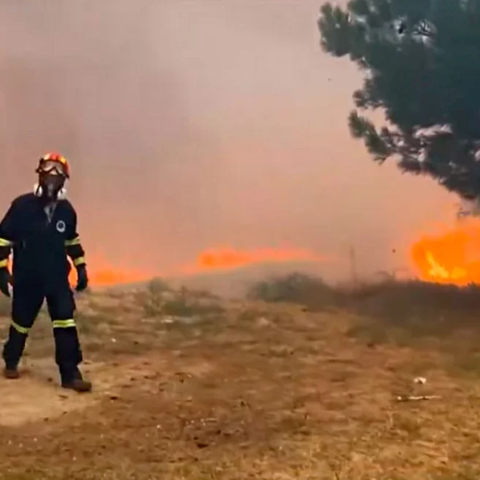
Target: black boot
{"x": 78, "y": 385}
{"x": 11, "y": 373}
{"x": 75, "y": 382}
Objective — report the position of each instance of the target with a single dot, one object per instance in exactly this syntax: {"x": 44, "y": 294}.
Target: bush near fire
{"x": 421, "y": 68}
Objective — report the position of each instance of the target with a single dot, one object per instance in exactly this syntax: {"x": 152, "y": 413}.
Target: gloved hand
{"x": 5, "y": 281}
{"x": 82, "y": 278}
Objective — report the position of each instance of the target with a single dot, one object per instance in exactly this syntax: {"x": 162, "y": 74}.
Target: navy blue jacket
{"x": 41, "y": 242}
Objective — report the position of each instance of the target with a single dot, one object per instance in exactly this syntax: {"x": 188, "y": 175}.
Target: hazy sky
{"x": 196, "y": 123}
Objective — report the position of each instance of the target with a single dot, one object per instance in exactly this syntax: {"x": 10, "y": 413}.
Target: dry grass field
{"x": 189, "y": 386}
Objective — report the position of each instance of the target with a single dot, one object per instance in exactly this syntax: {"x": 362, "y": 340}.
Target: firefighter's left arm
{"x": 73, "y": 245}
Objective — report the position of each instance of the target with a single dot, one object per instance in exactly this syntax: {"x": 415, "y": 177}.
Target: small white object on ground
{"x": 420, "y": 380}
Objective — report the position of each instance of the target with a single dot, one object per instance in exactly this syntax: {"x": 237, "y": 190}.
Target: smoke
{"x": 195, "y": 124}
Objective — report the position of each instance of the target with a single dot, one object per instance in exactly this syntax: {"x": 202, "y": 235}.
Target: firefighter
{"x": 40, "y": 229}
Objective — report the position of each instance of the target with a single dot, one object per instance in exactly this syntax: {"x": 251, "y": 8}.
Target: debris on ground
{"x": 420, "y": 380}
{"x": 183, "y": 320}
{"x": 414, "y": 398}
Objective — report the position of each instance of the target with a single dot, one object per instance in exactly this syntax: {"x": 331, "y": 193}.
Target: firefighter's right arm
{"x": 7, "y": 235}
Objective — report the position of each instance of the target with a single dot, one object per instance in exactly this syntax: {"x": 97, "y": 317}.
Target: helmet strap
{"x": 62, "y": 194}
{"x": 38, "y": 190}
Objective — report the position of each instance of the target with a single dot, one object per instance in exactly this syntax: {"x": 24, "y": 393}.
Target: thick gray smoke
{"x": 88, "y": 79}
{"x": 196, "y": 124}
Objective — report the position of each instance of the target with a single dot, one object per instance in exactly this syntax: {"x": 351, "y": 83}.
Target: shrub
{"x": 425, "y": 305}
{"x": 295, "y": 288}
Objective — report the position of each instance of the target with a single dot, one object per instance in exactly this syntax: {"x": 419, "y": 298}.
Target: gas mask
{"x": 52, "y": 176}
{"x": 50, "y": 187}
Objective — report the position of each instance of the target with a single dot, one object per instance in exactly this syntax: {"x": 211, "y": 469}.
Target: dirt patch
{"x": 37, "y": 395}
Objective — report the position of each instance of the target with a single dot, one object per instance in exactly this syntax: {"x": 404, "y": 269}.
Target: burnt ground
{"x": 239, "y": 391}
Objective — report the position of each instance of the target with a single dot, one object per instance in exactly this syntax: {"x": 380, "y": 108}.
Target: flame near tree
{"x": 452, "y": 257}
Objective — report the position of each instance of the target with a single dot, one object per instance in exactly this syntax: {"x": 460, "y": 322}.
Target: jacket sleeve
{"x": 73, "y": 245}
{"x": 8, "y": 234}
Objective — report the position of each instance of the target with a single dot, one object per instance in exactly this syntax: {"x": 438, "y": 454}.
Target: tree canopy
{"x": 421, "y": 66}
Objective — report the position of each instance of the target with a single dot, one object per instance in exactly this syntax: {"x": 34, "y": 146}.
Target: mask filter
{"x": 51, "y": 187}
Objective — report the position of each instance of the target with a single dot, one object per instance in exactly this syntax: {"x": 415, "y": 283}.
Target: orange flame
{"x": 102, "y": 274}
{"x": 451, "y": 257}
{"x": 227, "y": 258}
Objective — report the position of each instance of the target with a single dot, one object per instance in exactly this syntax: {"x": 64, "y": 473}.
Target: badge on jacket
{"x": 61, "y": 227}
